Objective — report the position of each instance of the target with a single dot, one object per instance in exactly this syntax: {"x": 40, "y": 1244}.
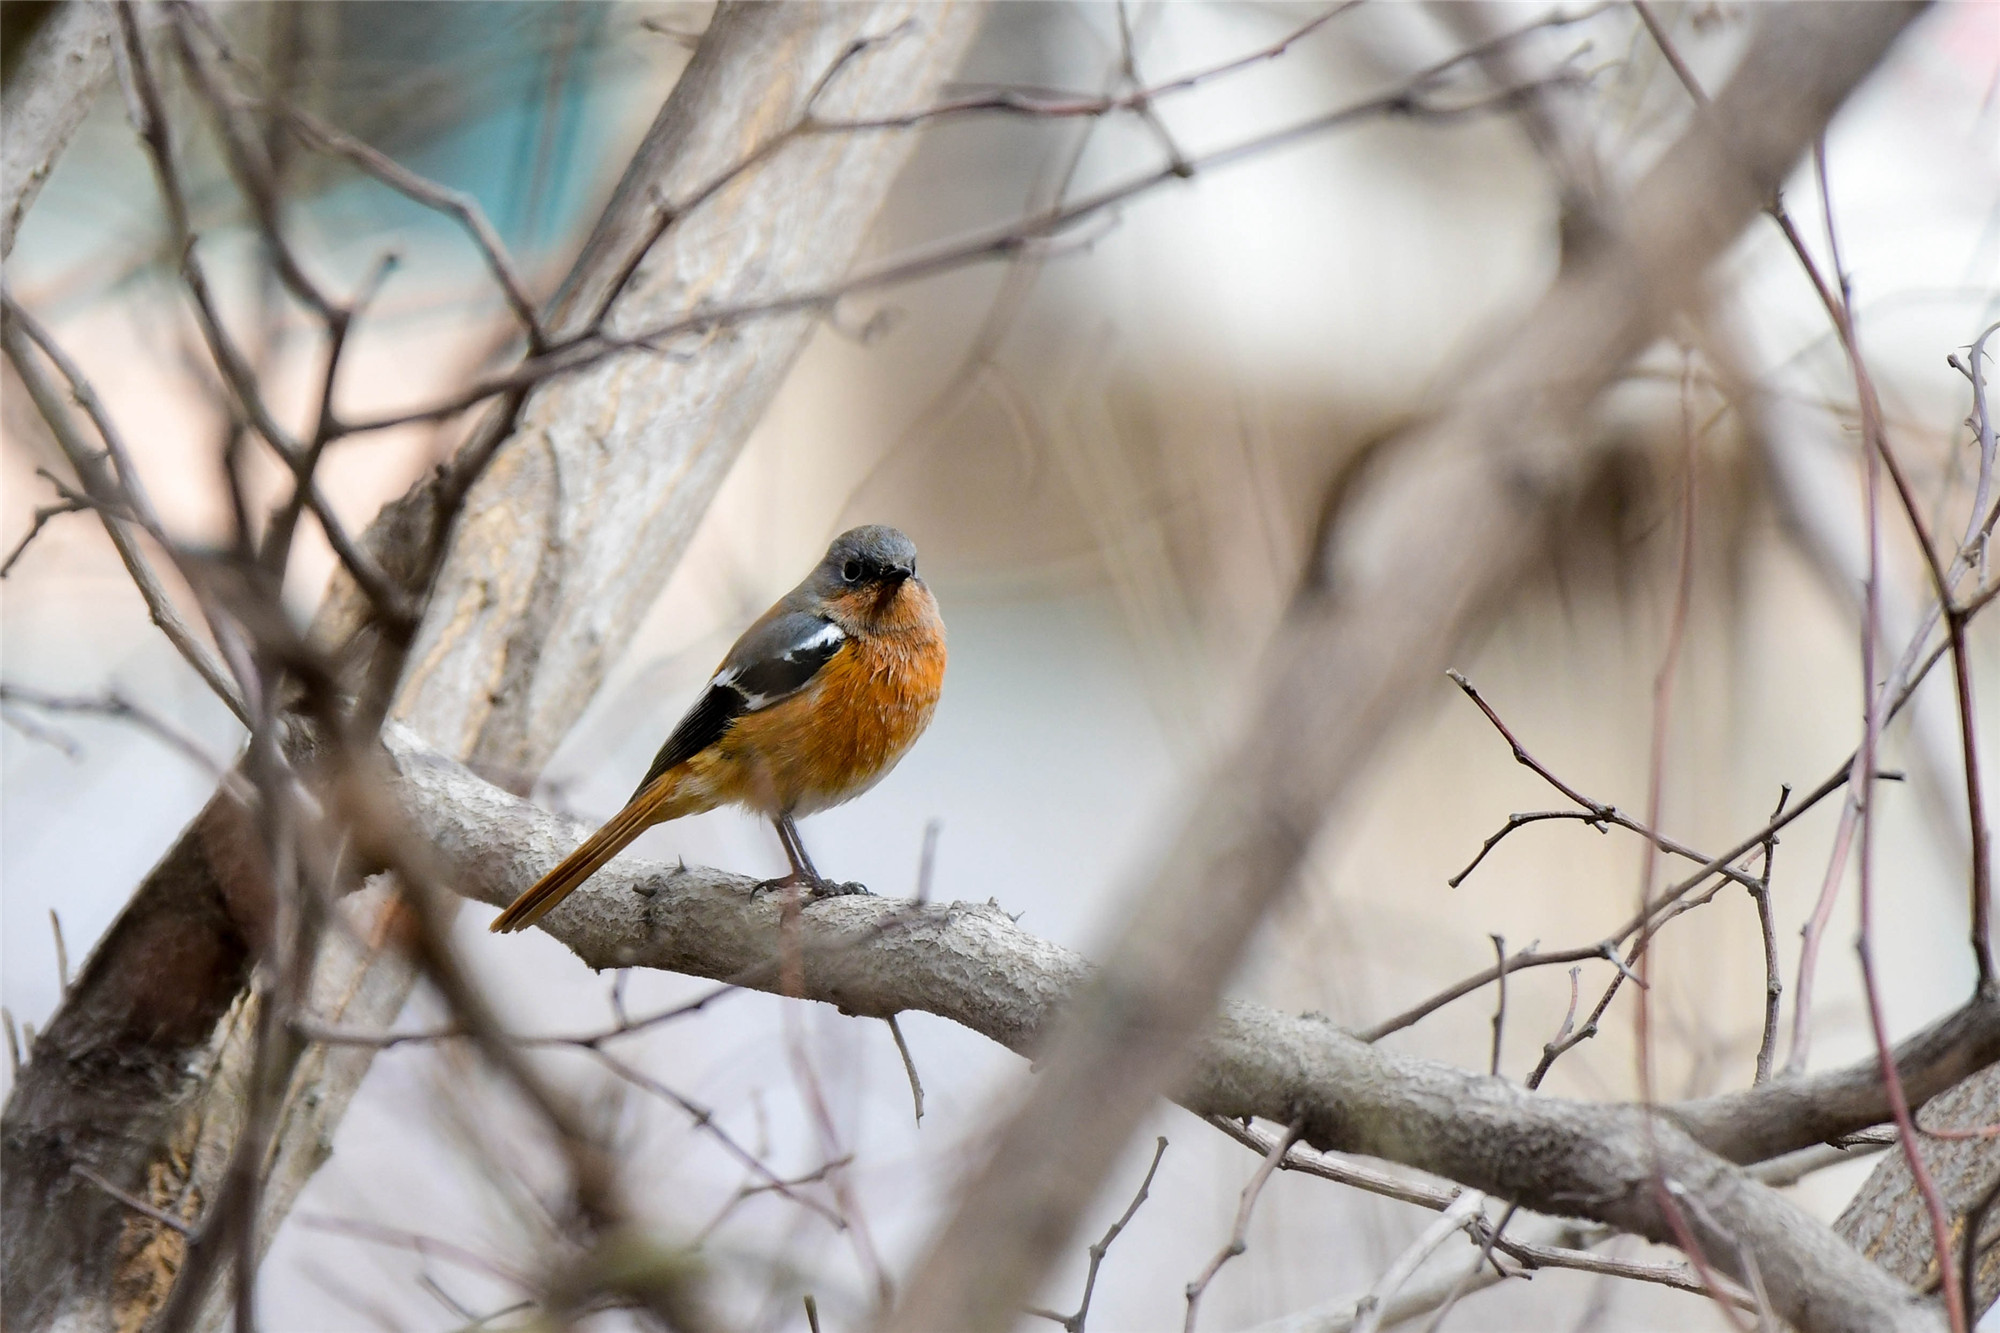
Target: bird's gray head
{"x": 870, "y": 558}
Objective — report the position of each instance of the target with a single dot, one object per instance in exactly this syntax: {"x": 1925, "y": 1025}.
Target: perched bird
{"x": 812, "y": 706}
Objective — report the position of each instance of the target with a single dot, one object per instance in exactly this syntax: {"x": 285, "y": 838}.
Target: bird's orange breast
{"x": 837, "y": 737}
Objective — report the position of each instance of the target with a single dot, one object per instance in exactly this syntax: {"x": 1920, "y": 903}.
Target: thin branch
{"x": 1073, "y": 1323}
{"x": 1239, "y": 1235}
{"x": 323, "y": 137}
{"x": 42, "y": 517}
{"x": 62, "y": 952}
{"x": 1451, "y": 1221}
{"x": 909, "y": 1067}
{"x": 1040, "y": 105}
{"x": 1004, "y": 242}
{"x": 134, "y": 1202}
{"x": 1594, "y": 812}
{"x": 115, "y": 707}
{"x": 1774, "y": 983}
{"x": 18, "y": 330}
{"x": 1479, "y": 1263}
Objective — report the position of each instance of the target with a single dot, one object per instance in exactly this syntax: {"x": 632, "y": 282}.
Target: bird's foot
{"x": 811, "y": 887}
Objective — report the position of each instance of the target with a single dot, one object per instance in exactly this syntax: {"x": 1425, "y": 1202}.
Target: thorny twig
{"x": 1594, "y": 812}
{"x": 1073, "y": 1323}
{"x": 1239, "y": 1234}
{"x": 43, "y": 514}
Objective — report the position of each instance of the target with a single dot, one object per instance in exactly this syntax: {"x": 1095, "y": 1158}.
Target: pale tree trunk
{"x": 567, "y": 538}
{"x": 49, "y": 92}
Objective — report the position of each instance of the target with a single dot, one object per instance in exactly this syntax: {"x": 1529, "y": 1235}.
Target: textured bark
{"x": 1887, "y": 1220}
{"x": 48, "y": 94}
{"x": 1423, "y": 555}
{"x": 971, "y": 964}
{"x": 567, "y": 538}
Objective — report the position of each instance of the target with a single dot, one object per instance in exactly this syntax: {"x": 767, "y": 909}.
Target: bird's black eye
{"x": 851, "y": 571}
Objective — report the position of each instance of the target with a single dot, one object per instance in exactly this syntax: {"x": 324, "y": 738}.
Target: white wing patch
{"x": 828, "y": 635}
{"x": 776, "y": 681}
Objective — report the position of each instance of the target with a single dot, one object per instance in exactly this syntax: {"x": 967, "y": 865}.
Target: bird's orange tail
{"x": 580, "y": 865}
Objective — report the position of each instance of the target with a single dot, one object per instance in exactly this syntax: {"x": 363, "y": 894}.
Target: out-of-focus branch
{"x": 111, "y": 488}
{"x": 973, "y": 965}
{"x": 47, "y": 97}
{"x": 1427, "y": 551}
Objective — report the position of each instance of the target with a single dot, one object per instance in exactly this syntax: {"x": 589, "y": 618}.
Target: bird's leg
{"x": 803, "y": 874}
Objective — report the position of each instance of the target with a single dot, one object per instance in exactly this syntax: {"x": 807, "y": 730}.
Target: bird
{"x": 812, "y": 706}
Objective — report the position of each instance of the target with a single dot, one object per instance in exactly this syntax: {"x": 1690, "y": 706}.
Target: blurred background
{"x": 1114, "y": 460}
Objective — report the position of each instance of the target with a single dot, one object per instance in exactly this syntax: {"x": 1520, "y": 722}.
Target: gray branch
{"x": 971, "y": 964}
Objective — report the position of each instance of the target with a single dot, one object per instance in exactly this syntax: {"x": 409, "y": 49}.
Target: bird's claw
{"x": 811, "y": 889}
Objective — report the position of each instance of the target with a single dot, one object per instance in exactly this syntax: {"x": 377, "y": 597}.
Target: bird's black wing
{"x": 775, "y": 658}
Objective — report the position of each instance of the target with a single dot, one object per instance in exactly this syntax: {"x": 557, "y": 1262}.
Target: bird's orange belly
{"x": 834, "y": 739}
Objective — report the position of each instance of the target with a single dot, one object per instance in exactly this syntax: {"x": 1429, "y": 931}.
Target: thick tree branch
{"x": 972, "y": 965}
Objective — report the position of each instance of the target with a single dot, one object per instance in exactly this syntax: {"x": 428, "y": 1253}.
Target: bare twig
{"x": 1074, "y": 1323}
{"x": 1774, "y": 984}
{"x": 108, "y": 490}
{"x": 318, "y": 134}
{"x": 1415, "y": 101}
{"x": 1594, "y": 812}
{"x": 1555, "y": 1045}
{"x": 1239, "y": 1234}
{"x": 134, "y": 1202}
{"x": 1479, "y": 1262}
{"x": 117, "y": 708}
{"x": 43, "y": 514}
{"x": 62, "y": 951}
{"x": 1878, "y": 459}
{"x": 909, "y": 1067}
{"x": 1452, "y": 1220}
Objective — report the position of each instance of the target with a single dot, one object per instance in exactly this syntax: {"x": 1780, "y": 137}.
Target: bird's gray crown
{"x": 874, "y": 552}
